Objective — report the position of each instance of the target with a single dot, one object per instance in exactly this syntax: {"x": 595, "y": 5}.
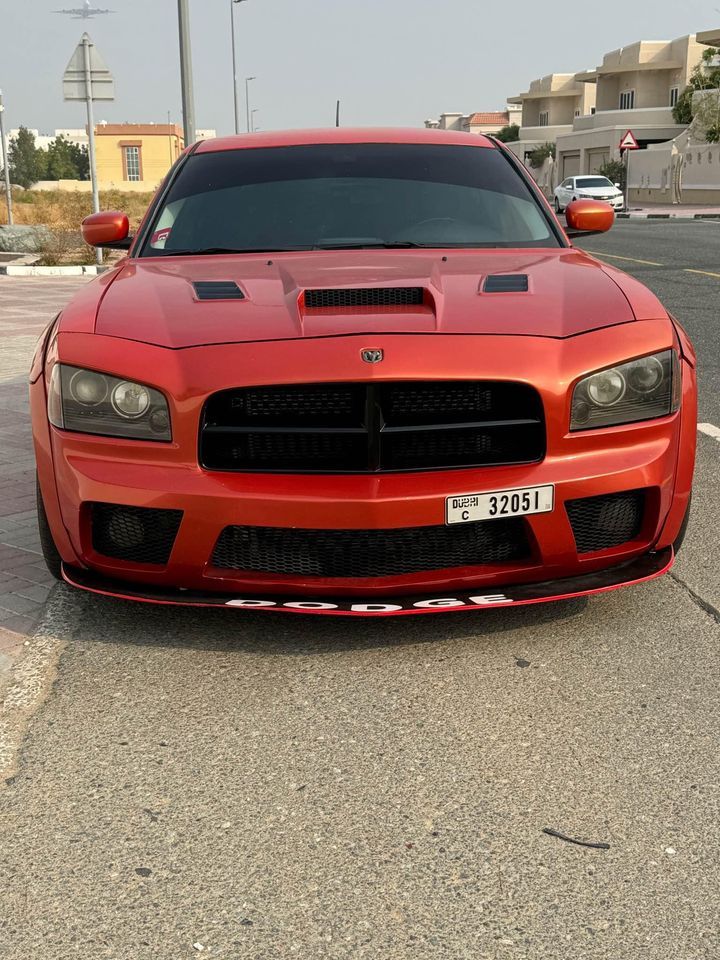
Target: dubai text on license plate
{"x": 471, "y": 507}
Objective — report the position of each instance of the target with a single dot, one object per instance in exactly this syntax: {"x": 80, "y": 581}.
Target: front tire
{"x": 52, "y": 558}
{"x": 683, "y": 529}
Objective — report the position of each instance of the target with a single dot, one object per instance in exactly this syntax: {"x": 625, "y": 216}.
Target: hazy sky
{"x": 389, "y": 61}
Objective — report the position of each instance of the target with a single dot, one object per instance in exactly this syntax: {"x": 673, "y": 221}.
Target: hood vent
{"x": 506, "y": 283}
{"x": 218, "y": 290}
{"x": 365, "y": 297}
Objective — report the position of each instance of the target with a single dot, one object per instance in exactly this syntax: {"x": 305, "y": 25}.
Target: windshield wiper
{"x": 210, "y": 251}
{"x": 367, "y": 245}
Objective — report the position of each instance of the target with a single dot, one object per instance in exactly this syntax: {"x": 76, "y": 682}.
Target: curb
{"x": 680, "y": 215}
{"x": 9, "y": 270}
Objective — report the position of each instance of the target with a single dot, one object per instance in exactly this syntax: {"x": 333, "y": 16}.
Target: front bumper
{"x": 641, "y": 570}
{"x": 655, "y": 457}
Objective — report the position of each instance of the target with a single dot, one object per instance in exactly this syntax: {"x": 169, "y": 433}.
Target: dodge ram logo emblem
{"x": 372, "y": 356}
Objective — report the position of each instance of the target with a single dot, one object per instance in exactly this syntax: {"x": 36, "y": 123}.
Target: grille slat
{"x": 599, "y": 523}
{"x": 364, "y": 297}
{"x": 136, "y": 534}
{"x": 372, "y": 427}
{"x": 369, "y": 553}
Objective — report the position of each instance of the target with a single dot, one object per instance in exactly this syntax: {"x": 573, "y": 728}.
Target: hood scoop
{"x": 506, "y": 283}
{"x": 364, "y": 297}
{"x": 217, "y": 290}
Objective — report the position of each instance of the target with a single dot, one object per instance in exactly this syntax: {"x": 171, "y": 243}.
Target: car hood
{"x": 155, "y": 301}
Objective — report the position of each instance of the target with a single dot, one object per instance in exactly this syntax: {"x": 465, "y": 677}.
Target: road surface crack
{"x": 706, "y": 607}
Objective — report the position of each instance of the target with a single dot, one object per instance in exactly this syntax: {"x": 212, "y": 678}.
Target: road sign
{"x": 629, "y": 142}
{"x": 87, "y": 78}
{"x": 102, "y": 82}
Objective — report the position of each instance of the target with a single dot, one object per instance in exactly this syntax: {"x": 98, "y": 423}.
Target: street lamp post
{"x": 6, "y": 164}
{"x": 252, "y": 119}
{"x": 247, "y": 100}
{"x": 188, "y": 97}
{"x": 234, "y": 60}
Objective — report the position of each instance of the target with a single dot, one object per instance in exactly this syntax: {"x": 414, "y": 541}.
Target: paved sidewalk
{"x": 26, "y": 307}
{"x": 685, "y": 211}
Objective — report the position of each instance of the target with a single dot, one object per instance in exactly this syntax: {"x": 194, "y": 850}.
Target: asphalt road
{"x": 256, "y": 786}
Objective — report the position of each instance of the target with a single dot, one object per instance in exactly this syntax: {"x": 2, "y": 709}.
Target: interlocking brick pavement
{"x": 27, "y": 304}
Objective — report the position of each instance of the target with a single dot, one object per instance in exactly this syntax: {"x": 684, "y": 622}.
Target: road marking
{"x": 614, "y": 256}
{"x": 710, "y": 430}
{"x": 705, "y": 273}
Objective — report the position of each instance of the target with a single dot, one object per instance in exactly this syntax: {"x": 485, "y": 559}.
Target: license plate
{"x": 521, "y": 502}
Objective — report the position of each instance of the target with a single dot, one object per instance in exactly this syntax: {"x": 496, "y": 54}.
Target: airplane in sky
{"x": 85, "y": 12}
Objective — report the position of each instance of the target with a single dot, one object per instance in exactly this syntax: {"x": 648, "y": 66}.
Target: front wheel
{"x": 683, "y": 529}
{"x": 52, "y": 558}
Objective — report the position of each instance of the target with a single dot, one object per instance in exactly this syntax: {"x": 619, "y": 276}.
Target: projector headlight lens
{"x": 130, "y": 400}
{"x": 88, "y": 388}
{"x": 606, "y": 388}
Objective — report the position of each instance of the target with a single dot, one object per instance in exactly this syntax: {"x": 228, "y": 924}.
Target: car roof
{"x": 293, "y": 138}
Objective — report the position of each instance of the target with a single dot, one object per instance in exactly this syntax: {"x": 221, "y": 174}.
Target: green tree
{"x": 66, "y": 161}
{"x": 539, "y": 155}
{"x": 509, "y": 134}
{"x": 614, "y": 170}
{"x": 705, "y": 76}
{"x": 25, "y": 160}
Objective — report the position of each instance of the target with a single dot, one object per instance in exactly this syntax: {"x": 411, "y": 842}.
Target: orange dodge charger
{"x": 360, "y": 372}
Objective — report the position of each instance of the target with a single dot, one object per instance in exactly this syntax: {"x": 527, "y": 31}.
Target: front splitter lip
{"x": 640, "y": 570}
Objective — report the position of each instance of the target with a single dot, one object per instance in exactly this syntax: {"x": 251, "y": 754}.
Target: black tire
{"x": 683, "y": 529}
{"x": 52, "y": 558}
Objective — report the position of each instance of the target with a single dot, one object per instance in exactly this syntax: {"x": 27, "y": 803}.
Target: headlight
{"x": 91, "y": 402}
{"x": 641, "y": 389}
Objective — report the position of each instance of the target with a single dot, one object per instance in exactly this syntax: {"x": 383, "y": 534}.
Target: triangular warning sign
{"x": 101, "y": 80}
{"x": 629, "y": 142}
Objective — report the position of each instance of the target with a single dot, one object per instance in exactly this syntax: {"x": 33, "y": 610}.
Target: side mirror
{"x": 111, "y": 229}
{"x": 585, "y": 217}
{"x": 619, "y": 186}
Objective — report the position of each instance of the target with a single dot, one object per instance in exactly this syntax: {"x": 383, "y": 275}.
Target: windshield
{"x": 345, "y": 196}
{"x": 587, "y": 183}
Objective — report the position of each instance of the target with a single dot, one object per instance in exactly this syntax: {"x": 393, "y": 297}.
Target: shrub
{"x": 509, "y": 134}
{"x": 614, "y": 170}
{"x": 539, "y": 155}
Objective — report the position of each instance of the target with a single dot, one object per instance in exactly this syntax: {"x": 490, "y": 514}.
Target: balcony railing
{"x": 642, "y": 116}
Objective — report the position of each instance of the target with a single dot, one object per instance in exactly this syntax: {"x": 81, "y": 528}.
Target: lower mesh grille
{"x": 602, "y": 522}
{"x": 369, "y": 553}
{"x": 137, "y": 534}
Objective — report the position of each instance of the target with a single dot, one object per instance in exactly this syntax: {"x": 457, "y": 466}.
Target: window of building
{"x": 627, "y": 100}
{"x": 131, "y": 162}
{"x": 674, "y": 94}
{"x": 544, "y": 118}
{"x": 577, "y": 113}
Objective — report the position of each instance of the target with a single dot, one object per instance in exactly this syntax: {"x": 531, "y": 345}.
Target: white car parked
{"x": 588, "y": 188}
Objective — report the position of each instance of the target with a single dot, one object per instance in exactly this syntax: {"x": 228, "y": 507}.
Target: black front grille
{"x": 137, "y": 534}
{"x": 369, "y": 553}
{"x": 603, "y": 522}
{"x": 365, "y": 297}
{"x": 372, "y": 427}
